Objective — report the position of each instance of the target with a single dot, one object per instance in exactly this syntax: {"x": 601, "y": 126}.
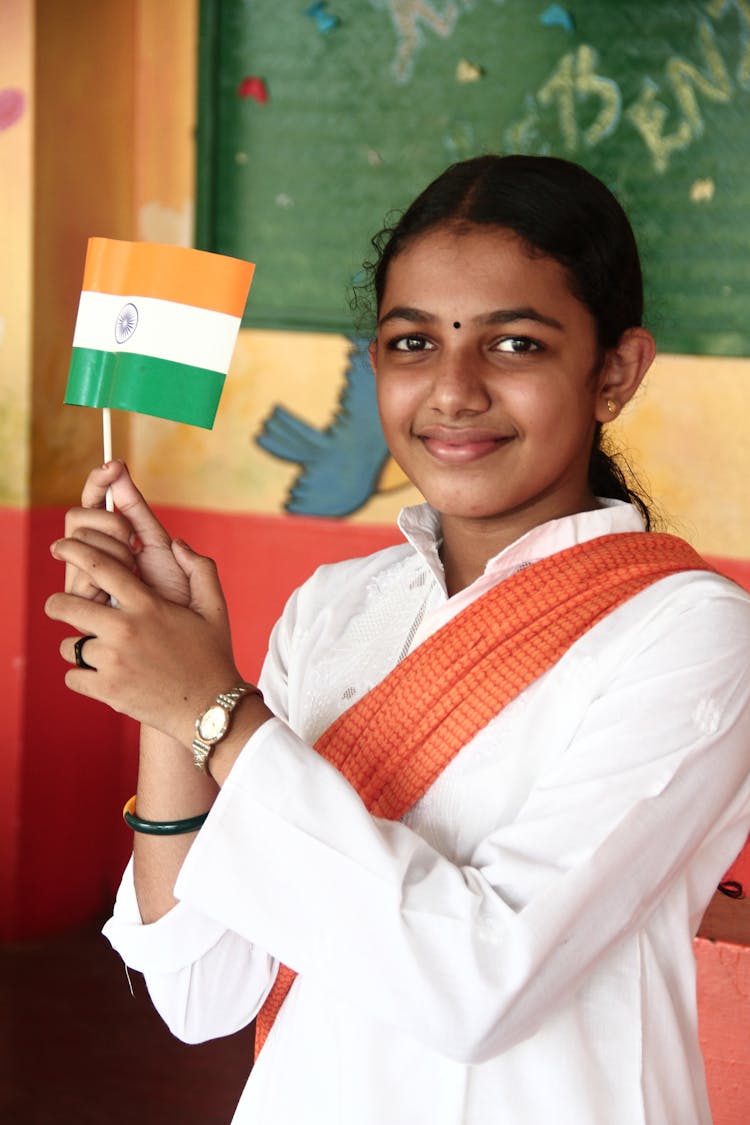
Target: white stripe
{"x": 164, "y": 329}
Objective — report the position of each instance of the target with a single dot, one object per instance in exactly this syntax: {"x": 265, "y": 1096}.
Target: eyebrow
{"x": 498, "y": 316}
{"x": 406, "y": 312}
{"x": 526, "y": 312}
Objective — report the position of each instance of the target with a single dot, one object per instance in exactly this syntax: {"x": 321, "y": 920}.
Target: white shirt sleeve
{"x": 205, "y": 981}
{"x": 469, "y": 958}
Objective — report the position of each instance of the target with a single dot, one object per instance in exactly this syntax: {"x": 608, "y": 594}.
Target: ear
{"x": 622, "y": 372}
{"x": 372, "y": 350}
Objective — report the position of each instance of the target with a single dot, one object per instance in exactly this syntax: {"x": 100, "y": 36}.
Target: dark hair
{"x": 562, "y": 211}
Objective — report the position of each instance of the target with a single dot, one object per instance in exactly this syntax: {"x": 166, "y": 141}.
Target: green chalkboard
{"x": 367, "y": 100}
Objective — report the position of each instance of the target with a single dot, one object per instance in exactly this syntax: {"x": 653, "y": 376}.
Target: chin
{"x": 466, "y": 509}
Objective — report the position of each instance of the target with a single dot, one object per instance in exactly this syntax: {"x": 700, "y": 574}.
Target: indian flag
{"x": 156, "y": 329}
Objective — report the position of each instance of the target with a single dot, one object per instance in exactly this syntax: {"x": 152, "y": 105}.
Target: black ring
{"x": 78, "y": 649}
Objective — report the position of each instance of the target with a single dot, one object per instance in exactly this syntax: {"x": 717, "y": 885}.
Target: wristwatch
{"x": 213, "y": 724}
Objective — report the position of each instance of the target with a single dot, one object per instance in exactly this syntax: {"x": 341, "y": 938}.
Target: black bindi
{"x": 456, "y": 323}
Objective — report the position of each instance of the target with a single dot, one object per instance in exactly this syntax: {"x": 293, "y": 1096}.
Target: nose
{"x": 458, "y": 385}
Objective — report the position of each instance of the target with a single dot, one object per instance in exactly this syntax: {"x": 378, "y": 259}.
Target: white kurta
{"x": 517, "y": 950}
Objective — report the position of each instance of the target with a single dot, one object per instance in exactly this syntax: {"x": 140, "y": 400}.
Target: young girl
{"x": 495, "y": 773}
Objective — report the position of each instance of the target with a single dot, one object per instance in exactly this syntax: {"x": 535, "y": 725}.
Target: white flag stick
{"x": 108, "y": 501}
{"x": 107, "y": 444}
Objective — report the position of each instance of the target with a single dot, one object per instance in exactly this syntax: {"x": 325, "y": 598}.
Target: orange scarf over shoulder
{"x": 392, "y": 744}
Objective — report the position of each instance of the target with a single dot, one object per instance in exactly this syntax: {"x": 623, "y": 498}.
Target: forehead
{"x": 461, "y": 270}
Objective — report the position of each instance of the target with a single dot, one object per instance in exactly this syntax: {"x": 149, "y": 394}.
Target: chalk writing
{"x": 576, "y": 85}
{"x": 649, "y": 115}
{"x": 408, "y": 18}
{"x": 574, "y": 81}
{"x": 717, "y": 8}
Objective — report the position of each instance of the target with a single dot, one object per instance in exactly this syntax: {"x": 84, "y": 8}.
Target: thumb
{"x": 206, "y": 595}
{"x": 132, "y": 504}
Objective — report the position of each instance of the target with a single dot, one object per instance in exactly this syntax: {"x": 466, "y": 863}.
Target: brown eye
{"x": 409, "y": 344}
{"x": 517, "y": 345}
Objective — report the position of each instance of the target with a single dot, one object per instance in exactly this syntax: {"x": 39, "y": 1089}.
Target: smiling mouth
{"x": 459, "y": 448}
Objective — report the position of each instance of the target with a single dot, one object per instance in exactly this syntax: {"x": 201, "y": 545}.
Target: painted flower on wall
{"x": 12, "y": 106}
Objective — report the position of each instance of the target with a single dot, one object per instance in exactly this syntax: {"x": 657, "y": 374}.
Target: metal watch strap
{"x": 228, "y": 700}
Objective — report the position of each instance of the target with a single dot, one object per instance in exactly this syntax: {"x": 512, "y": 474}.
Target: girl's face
{"x": 488, "y": 378}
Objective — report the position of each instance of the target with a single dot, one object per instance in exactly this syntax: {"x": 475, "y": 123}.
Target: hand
{"x": 131, "y": 534}
{"x": 160, "y": 663}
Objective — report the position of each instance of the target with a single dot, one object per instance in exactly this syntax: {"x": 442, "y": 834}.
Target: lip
{"x": 461, "y": 446}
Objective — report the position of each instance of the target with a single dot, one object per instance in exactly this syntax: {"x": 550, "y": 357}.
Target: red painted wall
{"x": 69, "y": 764}
{"x": 62, "y": 768}
{"x": 723, "y": 1005}
{"x": 13, "y": 599}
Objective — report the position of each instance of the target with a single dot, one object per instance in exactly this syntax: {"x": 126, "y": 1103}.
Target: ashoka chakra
{"x": 126, "y": 323}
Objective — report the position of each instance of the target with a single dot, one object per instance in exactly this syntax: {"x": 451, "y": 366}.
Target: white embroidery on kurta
{"x": 707, "y": 715}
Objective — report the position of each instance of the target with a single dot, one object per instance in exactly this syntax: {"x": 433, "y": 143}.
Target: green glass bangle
{"x": 160, "y": 827}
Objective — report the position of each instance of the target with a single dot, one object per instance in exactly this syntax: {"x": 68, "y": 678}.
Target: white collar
{"x": 420, "y": 525}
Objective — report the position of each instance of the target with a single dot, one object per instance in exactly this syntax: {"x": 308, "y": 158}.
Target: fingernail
{"x": 183, "y": 544}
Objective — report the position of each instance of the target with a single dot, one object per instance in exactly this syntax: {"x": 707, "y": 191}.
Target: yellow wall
{"x": 16, "y": 195}
{"x": 688, "y": 429}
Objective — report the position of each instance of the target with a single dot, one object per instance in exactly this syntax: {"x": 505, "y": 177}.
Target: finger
{"x": 109, "y": 523}
{"x": 78, "y": 651}
{"x": 125, "y": 551}
{"x": 103, "y": 571}
{"x": 131, "y": 503}
{"x": 94, "y": 514}
{"x": 99, "y": 480}
{"x": 79, "y": 583}
{"x": 206, "y": 595}
{"x": 106, "y": 523}
{"x": 83, "y": 682}
{"x": 86, "y": 617}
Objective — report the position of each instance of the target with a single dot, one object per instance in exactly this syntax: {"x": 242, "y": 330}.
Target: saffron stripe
{"x": 127, "y": 381}
{"x": 163, "y": 329}
{"x": 172, "y": 273}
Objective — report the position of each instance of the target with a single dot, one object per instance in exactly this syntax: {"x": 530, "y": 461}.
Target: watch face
{"x": 213, "y": 723}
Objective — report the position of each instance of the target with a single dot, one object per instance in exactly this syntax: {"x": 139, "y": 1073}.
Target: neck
{"x": 469, "y": 544}
{"x": 464, "y": 562}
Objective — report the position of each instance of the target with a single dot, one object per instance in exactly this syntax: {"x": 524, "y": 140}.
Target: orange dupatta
{"x": 394, "y": 742}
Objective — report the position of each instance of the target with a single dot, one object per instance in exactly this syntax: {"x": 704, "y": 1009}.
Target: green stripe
{"x": 144, "y": 384}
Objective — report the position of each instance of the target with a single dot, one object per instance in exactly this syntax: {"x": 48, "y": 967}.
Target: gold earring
{"x": 612, "y": 406}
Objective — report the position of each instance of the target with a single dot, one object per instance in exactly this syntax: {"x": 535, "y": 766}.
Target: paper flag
{"x": 324, "y": 20}
{"x": 255, "y": 88}
{"x": 156, "y": 329}
{"x": 557, "y": 16}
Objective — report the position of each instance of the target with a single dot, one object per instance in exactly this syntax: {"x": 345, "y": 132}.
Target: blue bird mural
{"x": 341, "y": 464}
